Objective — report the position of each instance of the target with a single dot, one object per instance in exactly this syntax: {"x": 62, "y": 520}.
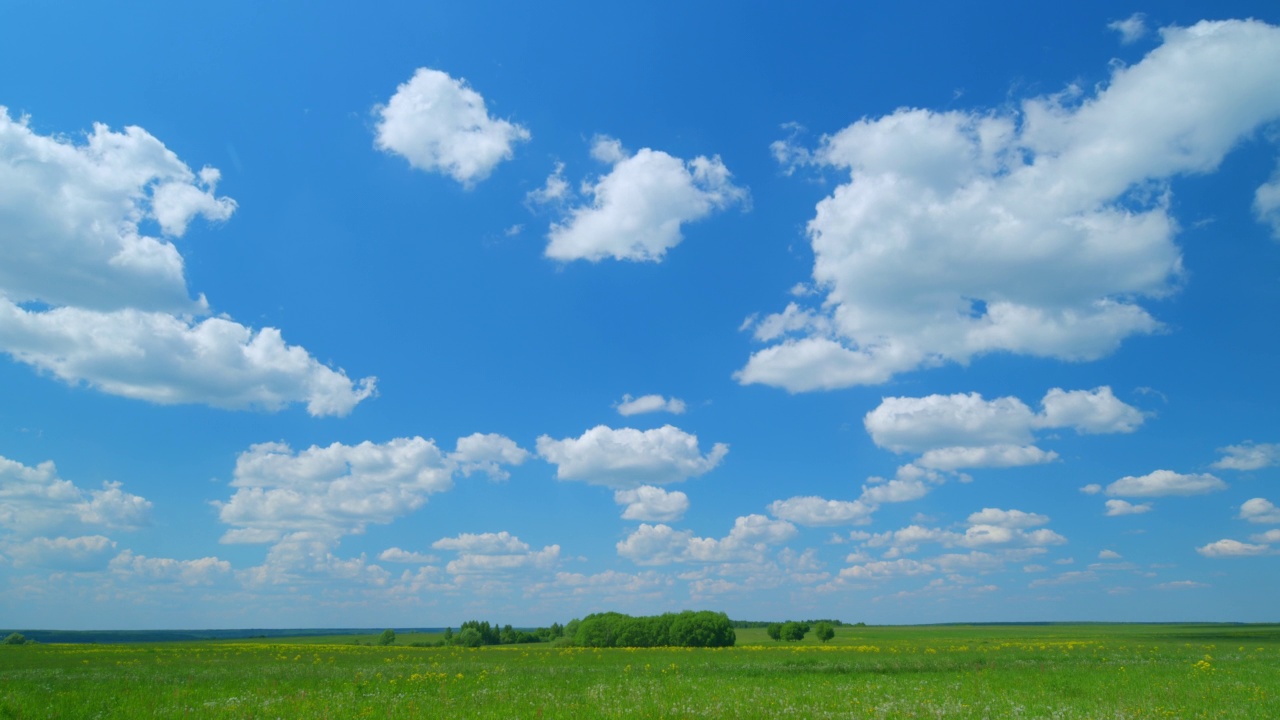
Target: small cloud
{"x": 1091, "y": 489}
{"x": 1181, "y": 585}
{"x": 1249, "y": 456}
{"x": 1121, "y": 507}
{"x": 650, "y": 404}
{"x": 1161, "y": 483}
{"x": 1109, "y": 555}
{"x": 1232, "y": 548}
{"x": 1131, "y": 29}
{"x": 1260, "y": 510}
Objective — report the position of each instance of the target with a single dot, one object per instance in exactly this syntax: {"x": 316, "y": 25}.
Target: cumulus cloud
{"x": 650, "y": 404}
{"x": 398, "y": 555}
{"x": 1270, "y": 536}
{"x": 167, "y": 359}
{"x": 439, "y": 124}
{"x": 339, "y": 489}
{"x": 1040, "y": 230}
{"x": 487, "y": 453}
{"x": 202, "y": 571}
{"x": 1260, "y": 510}
{"x": 494, "y": 553}
{"x": 636, "y": 211}
{"x": 1266, "y": 204}
{"x": 967, "y": 431}
{"x": 304, "y": 502}
{"x": 36, "y": 500}
{"x": 1232, "y": 548}
{"x": 748, "y": 541}
{"x": 1008, "y": 518}
{"x": 628, "y": 458}
{"x": 1124, "y": 507}
{"x": 1012, "y": 530}
{"x": 651, "y": 503}
{"x": 1165, "y": 482}
{"x": 76, "y": 218}
{"x": 1249, "y": 456}
{"x": 89, "y": 296}
{"x": 83, "y": 553}
{"x": 812, "y": 511}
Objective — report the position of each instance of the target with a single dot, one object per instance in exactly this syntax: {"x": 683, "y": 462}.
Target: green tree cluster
{"x": 790, "y": 630}
{"x": 16, "y": 639}
{"x": 685, "y": 629}
{"x": 474, "y": 633}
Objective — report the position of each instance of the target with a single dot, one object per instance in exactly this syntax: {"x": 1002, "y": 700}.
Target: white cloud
{"x": 398, "y": 555}
{"x": 881, "y": 569}
{"x": 1232, "y": 548}
{"x": 304, "y": 502}
{"x": 483, "y": 543}
{"x": 35, "y": 500}
{"x": 1260, "y": 510}
{"x": 1038, "y": 231}
{"x": 1089, "y": 412}
{"x": 1270, "y": 536}
{"x": 490, "y": 553}
{"x": 1005, "y": 527}
{"x": 967, "y": 431}
{"x": 1008, "y": 518}
{"x": 907, "y": 424}
{"x": 87, "y": 552}
{"x": 628, "y": 458}
{"x": 746, "y": 542}
{"x": 1249, "y": 456}
{"x": 1124, "y": 507}
{"x": 649, "y": 404}
{"x": 202, "y": 571}
{"x": 994, "y": 456}
{"x": 812, "y": 511}
{"x": 88, "y": 296}
{"x": 1091, "y": 489}
{"x": 1181, "y": 585}
{"x": 555, "y": 190}
{"x": 1131, "y": 29}
{"x": 1109, "y": 555}
{"x": 439, "y": 124}
{"x": 910, "y": 483}
{"x": 1165, "y": 482}
{"x": 480, "y": 452}
{"x": 167, "y": 359}
{"x": 636, "y": 211}
{"x": 653, "y": 504}
{"x": 74, "y": 218}
{"x": 655, "y": 545}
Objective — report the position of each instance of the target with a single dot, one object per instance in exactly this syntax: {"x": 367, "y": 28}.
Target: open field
{"x": 1050, "y": 671}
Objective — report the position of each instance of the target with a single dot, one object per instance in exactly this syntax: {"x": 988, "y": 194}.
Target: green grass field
{"x": 1049, "y": 671}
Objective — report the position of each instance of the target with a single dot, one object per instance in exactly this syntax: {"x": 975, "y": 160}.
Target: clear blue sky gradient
{"x": 959, "y": 490}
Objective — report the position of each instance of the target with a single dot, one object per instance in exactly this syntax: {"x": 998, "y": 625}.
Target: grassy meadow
{"x": 1045, "y": 671}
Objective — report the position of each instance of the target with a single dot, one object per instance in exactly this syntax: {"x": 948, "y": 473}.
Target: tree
{"x": 824, "y": 631}
{"x": 470, "y": 637}
{"x": 792, "y": 630}
{"x": 448, "y": 636}
{"x": 15, "y": 639}
{"x": 774, "y": 630}
{"x": 388, "y": 637}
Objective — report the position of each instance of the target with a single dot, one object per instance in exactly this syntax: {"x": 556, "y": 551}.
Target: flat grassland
{"x": 1029, "y": 671}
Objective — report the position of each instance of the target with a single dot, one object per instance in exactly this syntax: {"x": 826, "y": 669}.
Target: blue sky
{"x": 407, "y": 315}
